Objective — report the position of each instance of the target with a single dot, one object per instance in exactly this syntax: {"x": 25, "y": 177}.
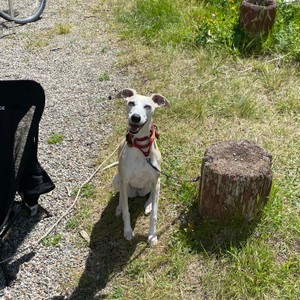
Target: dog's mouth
{"x": 135, "y": 128}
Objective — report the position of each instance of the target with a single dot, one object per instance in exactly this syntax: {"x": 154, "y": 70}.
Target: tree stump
{"x": 236, "y": 180}
{"x": 258, "y": 16}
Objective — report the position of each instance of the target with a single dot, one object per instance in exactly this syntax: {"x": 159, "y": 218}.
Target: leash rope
{"x": 195, "y": 179}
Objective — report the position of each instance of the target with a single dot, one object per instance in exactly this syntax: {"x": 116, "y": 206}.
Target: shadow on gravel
{"x": 110, "y": 252}
{"x": 6, "y": 29}
{"x": 14, "y": 242}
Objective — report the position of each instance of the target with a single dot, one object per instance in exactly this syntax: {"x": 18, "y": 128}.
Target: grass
{"x": 55, "y": 138}
{"x": 62, "y": 29}
{"x": 104, "y": 77}
{"x": 209, "y": 24}
{"x": 52, "y": 240}
{"x": 218, "y": 90}
{"x": 83, "y": 212}
{"x": 45, "y": 38}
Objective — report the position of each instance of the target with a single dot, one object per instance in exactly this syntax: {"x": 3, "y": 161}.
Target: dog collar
{"x": 138, "y": 143}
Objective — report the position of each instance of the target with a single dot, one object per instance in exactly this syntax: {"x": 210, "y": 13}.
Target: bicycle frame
{"x": 11, "y": 11}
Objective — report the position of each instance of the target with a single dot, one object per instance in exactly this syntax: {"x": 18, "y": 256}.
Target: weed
{"x": 39, "y": 42}
{"x": 52, "y": 240}
{"x": 81, "y": 218}
{"x": 55, "y": 138}
{"x": 63, "y": 29}
{"x": 83, "y": 213}
{"x": 44, "y": 38}
{"x": 116, "y": 293}
{"x": 104, "y": 77}
{"x": 73, "y": 223}
{"x": 87, "y": 191}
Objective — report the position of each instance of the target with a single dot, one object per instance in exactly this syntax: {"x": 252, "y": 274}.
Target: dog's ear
{"x": 160, "y": 100}
{"x": 126, "y": 93}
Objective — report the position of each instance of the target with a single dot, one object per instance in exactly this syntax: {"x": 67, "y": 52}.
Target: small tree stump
{"x": 236, "y": 180}
{"x": 258, "y": 16}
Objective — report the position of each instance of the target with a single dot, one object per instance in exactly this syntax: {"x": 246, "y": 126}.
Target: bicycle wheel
{"x": 25, "y": 11}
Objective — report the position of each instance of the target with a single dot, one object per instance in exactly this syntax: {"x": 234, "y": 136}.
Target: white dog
{"x": 136, "y": 176}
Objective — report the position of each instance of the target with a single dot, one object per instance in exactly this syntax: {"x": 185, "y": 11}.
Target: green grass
{"x": 46, "y": 37}
{"x": 62, "y": 29}
{"x": 104, "y": 77}
{"x": 52, "y": 240}
{"x": 55, "y": 138}
{"x": 209, "y": 24}
{"x": 218, "y": 90}
{"x": 82, "y": 213}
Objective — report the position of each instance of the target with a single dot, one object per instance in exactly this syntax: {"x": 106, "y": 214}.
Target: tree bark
{"x": 258, "y": 17}
{"x": 236, "y": 180}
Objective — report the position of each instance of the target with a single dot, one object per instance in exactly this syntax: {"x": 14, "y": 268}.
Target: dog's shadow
{"x": 109, "y": 251}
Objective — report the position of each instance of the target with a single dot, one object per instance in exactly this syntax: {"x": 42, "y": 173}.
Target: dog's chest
{"x": 137, "y": 171}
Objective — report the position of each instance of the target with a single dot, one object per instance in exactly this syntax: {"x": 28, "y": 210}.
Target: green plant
{"x": 104, "y": 77}
{"x": 55, "y": 138}
{"x": 285, "y": 37}
{"x": 62, "y": 28}
{"x": 87, "y": 191}
{"x": 83, "y": 213}
{"x": 73, "y": 223}
{"x": 52, "y": 240}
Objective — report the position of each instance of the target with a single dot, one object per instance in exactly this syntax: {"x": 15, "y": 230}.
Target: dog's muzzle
{"x": 134, "y": 124}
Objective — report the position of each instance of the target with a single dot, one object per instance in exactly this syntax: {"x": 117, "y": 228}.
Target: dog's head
{"x": 141, "y": 108}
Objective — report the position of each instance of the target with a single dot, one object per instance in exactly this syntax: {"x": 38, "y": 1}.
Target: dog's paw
{"x": 152, "y": 240}
{"x": 148, "y": 208}
{"x": 128, "y": 235}
{"x": 118, "y": 211}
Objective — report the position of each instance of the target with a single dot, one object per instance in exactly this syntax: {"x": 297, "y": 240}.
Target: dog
{"x": 136, "y": 176}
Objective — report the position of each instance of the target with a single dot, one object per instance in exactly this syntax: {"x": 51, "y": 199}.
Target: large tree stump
{"x": 236, "y": 180}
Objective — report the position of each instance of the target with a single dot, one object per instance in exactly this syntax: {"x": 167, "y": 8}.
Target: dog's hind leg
{"x": 152, "y": 236}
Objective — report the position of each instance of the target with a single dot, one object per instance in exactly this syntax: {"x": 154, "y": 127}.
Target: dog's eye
{"x": 147, "y": 106}
{"x": 131, "y": 103}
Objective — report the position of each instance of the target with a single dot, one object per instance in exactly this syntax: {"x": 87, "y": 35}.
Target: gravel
{"x": 69, "y": 66}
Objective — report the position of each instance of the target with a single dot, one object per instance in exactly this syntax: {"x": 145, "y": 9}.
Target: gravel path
{"x": 69, "y": 66}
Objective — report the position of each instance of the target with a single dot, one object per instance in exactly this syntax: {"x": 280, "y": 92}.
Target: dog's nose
{"x": 135, "y": 118}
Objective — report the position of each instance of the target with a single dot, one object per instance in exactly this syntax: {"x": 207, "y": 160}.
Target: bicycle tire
{"x": 26, "y": 11}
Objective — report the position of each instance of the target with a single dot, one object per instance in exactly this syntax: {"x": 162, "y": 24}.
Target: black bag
{"x": 21, "y": 107}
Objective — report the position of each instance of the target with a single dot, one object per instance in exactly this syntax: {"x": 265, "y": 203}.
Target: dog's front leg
{"x": 152, "y": 237}
{"x": 128, "y": 233}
